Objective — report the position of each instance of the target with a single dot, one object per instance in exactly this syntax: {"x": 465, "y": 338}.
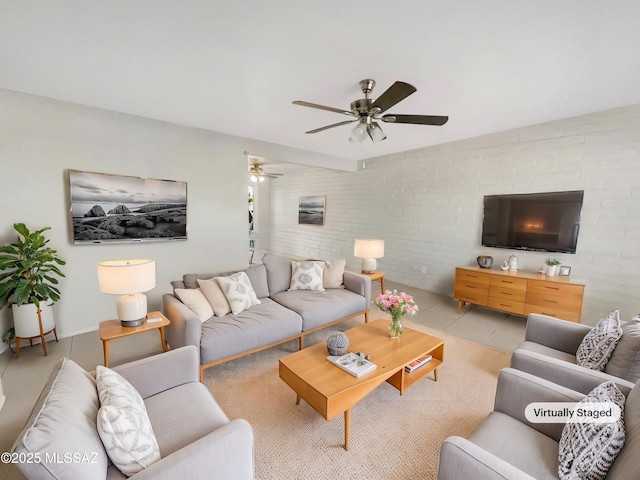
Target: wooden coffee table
{"x": 331, "y": 391}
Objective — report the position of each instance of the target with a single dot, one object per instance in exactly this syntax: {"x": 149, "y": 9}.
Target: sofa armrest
{"x": 161, "y": 372}
{"x": 554, "y": 333}
{"x": 185, "y": 327}
{"x": 358, "y": 283}
{"x": 223, "y": 454}
{"x": 518, "y": 389}
{"x": 460, "y": 458}
{"x": 568, "y": 374}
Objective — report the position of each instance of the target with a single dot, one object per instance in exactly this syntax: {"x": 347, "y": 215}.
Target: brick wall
{"x": 427, "y": 205}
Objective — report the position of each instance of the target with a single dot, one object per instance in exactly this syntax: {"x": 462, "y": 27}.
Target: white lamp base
{"x": 369, "y": 265}
{"x": 132, "y": 309}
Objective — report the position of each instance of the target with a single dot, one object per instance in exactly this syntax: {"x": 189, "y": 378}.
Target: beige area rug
{"x": 392, "y": 436}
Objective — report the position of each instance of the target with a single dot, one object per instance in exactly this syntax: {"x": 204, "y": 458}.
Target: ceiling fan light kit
{"x": 366, "y": 111}
{"x": 257, "y": 174}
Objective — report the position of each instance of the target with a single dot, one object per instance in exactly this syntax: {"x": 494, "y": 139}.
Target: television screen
{"x": 116, "y": 208}
{"x": 544, "y": 222}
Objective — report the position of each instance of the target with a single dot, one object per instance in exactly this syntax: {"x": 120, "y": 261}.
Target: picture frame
{"x": 564, "y": 271}
{"x": 311, "y": 210}
{"x": 109, "y": 208}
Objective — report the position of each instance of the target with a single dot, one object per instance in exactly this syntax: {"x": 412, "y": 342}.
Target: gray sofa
{"x": 549, "y": 351}
{"x": 507, "y": 446}
{"x": 281, "y": 316}
{"x": 195, "y": 437}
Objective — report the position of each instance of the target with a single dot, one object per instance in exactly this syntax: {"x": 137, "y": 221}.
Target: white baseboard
{"x": 2, "y": 397}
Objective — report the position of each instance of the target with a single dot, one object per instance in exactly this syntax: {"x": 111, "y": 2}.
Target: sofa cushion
{"x": 318, "y": 309}
{"x": 196, "y": 302}
{"x": 63, "y": 421}
{"x": 519, "y": 445}
{"x": 215, "y": 296}
{"x": 181, "y": 415}
{"x": 190, "y": 280}
{"x": 625, "y": 359}
{"x": 598, "y": 345}
{"x": 333, "y": 274}
{"x": 261, "y": 325}
{"x": 588, "y": 449}
{"x": 626, "y": 464}
{"x": 258, "y": 277}
{"x": 307, "y": 275}
{"x": 238, "y": 290}
{"x": 278, "y": 273}
{"x": 548, "y": 351}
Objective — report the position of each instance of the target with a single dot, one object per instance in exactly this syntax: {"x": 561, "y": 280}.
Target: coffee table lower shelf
{"x": 331, "y": 391}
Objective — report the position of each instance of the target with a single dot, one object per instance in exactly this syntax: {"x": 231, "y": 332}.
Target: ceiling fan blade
{"x": 322, "y": 107}
{"x": 346, "y": 122}
{"x": 394, "y": 94}
{"x": 273, "y": 175}
{"x": 416, "y": 119}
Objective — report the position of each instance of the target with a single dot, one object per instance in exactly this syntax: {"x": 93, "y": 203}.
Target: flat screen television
{"x": 542, "y": 222}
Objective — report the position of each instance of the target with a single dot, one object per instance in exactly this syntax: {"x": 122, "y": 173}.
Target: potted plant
{"x": 552, "y": 266}
{"x": 29, "y": 269}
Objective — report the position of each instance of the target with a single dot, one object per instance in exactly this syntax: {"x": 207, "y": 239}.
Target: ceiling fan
{"x": 257, "y": 174}
{"x": 367, "y": 112}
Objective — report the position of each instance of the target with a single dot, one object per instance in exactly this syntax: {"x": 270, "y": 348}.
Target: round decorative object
{"x": 337, "y": 343}
{"x": 484, "y": 261}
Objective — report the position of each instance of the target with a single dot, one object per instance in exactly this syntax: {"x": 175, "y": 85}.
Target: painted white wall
{"x": 427, "y": 205}
{"x": 41, "y": 138}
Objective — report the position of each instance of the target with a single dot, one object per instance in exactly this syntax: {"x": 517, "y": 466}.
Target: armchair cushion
{"x": 597, "y": 346}
{"x": 625, "y": 359}
{"x": 588, "y": 449}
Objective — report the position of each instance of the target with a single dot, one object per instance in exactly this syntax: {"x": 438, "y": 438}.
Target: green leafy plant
{"x": 31, "y": 267}
{"x": 8, "y": 337}
{"x": 552, "y": 261}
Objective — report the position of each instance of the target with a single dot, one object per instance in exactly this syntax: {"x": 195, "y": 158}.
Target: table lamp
{"x": 368, "y": 249}
{"x": 128, "y": 278}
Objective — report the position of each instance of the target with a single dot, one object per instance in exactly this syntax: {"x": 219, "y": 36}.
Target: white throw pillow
{"x": 588, "y": 449}
{"x": 239, "y": 292}
{"x": 116, "y": 391}
{"x": 196, "y": 302}
{"x": 128, "y": 438}
{"x": 307, "y": 275}
{"x": 215, "y": 296}
{"x": 598, "y": 345}
{"x": 123, "y": 424}
{"x": 332, "y": 276}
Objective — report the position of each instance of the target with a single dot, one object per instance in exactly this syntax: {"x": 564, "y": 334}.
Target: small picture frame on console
{"x": 564, "y": 271}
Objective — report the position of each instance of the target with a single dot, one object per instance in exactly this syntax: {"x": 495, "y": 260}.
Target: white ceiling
{"x": 236, "y": 66}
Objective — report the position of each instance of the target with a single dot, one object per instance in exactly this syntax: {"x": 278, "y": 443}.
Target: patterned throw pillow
{"x": 123, "y": 424}
{"x": 598, "y": 345}
{"x": 239, "y": 292}
{"x": 307, "y": 276}
{"x": 587, "y": 449}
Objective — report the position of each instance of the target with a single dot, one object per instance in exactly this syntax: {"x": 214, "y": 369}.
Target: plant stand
{"x": 40, "y": 336}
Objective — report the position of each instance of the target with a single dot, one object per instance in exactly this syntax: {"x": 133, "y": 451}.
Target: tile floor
{"x": 23, "y": 378}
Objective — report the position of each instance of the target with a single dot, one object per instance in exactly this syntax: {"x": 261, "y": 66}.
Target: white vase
{"x": 551, "y": 270}
{"x": 25, "y": 319}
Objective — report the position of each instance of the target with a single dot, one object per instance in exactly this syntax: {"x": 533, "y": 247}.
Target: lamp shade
{"x": 126, "y": 277}
{"x": 368, "y": 248}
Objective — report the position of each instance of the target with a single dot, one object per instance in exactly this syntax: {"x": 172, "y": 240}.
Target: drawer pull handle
{"x": 506, "y": 281}
{"x": 550, "y": 301}
{"x": 505, "y": 305}
{"x": 506, "y": 293}
{"x": 552, "y": 288}
{"x": 470, "y": 286}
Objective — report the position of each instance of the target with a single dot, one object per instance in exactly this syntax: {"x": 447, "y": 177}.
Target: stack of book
{"x": 418, "y": 363}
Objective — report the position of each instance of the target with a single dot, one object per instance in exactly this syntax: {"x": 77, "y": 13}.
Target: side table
{"x": 376, "y": 277}
{"x": 112, "y": 329}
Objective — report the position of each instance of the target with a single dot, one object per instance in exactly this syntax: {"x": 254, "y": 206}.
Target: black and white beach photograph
{"x": 119, "y": 208}
{"x": 311, "y": 210}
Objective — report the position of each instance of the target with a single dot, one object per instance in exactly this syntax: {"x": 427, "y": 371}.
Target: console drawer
{"x": 543, "y": 287}
{"x": 553, "y": 312}
{"x": 509, "y": 282}
{"x": 472, "y": 276}
{"x": 476, "y": 299}
{"x": 472, "y": 287}
{"x": 554, "y": 302}
{"x": 506, "y": 305}
{"x": 508, "y": 294}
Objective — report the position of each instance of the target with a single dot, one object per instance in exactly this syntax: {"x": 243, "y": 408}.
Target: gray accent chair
{"x": 196, "y": 439}
{"x": 507, "y": 446}
{"x": 549, "y": 351}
